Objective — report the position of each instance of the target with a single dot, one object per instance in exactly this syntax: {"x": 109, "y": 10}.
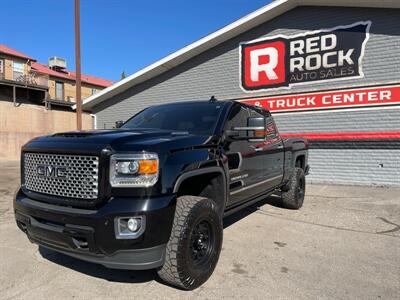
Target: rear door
{"x": 271, "y": 149}
{"x": 245, "y": 161}
{"x": 274, "y": 158}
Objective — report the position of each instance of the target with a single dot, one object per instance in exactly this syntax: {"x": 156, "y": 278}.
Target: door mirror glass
{"x": 254, "y": 131}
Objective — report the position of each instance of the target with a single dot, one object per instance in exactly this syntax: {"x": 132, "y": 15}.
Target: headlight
{"x": 133, "y": 170}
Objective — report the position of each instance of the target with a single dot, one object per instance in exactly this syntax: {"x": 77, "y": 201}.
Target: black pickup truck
{"x": 152, "y": 193}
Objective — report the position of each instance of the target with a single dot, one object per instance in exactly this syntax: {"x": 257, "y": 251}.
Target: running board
{"x": 234, "y": 209}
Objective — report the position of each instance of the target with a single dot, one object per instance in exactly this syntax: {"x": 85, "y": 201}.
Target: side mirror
{"x": 119, "y": 124}
{"x": 254, "y": 131}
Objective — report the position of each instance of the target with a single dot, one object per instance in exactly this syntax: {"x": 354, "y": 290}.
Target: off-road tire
{"x": 294, "y": 191}
{"x": 179, "y": 268}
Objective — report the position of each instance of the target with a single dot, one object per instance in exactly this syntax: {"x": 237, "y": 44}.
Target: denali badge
{"x": 51, "y": 171}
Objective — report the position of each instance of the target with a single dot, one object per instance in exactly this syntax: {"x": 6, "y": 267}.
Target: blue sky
{"x": 116, "y": 35}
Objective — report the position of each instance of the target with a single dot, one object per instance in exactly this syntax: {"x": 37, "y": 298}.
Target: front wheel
{"x": 195, "y": 243}
{"x": 294, "y": 191}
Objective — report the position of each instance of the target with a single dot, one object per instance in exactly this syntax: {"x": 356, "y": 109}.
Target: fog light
{"x": 133, "y": 224}
{"x": 129, "y": 227}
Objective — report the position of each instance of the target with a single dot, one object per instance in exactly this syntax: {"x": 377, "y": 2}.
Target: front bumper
{"x": 89, "y": 234}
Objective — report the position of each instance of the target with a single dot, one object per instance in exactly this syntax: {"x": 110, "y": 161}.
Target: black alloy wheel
{"x": 202, "y": 243}
{"x": 195, "y": 243}
{"x": 294, "y": 191}
{"x": 301, "y": 188}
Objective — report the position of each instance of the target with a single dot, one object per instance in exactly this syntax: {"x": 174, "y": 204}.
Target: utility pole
{"x": 78, "y": 66}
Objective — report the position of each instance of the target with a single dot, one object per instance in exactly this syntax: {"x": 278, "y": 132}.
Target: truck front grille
{"x": 72, "y": 176}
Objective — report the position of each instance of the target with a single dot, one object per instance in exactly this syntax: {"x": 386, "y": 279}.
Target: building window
{"x": 1, "y": 66}
{"x": 18, "y": 70}
{"x": 94, "y": 91}
{"x": 59, "y": 90}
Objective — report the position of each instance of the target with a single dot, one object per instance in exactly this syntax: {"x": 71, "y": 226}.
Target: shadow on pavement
{"x": 96, "y": 270}
{"x": 274, "y": 200}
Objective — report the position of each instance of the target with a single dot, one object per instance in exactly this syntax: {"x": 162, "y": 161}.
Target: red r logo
{"x": 263, "y": 64}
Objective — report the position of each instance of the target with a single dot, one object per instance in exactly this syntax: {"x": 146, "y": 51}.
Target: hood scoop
{"x": 72, "y": 134}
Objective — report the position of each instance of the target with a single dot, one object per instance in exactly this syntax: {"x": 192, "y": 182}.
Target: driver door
{"x": 245, "y": 160}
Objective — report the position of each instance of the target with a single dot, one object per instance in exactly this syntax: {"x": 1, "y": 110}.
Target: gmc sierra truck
{"x": 152, "y": 193}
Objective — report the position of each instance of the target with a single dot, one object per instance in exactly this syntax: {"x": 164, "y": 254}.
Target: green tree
{"x": 123, "y": 75}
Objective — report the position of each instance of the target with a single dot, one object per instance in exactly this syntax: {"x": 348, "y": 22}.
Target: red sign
{"x": 282, "y": 61}
{"x": 346, "y": 136}
{"x": 264, "y": 64}
{"x": 385, "y": 95}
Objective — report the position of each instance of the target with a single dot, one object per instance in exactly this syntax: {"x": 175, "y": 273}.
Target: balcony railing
{"x": 32, "y": 78}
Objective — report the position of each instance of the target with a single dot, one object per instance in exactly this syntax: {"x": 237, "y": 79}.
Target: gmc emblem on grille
{"x": 51, "y": 171}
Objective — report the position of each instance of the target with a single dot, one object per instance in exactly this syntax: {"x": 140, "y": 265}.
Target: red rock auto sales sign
{"x": 282, "y": 61}
{"x": 362, "y": 97}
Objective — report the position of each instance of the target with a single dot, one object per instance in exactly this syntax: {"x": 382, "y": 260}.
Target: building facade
{"x": 23, "y": 79}
{"x": 327, "y": 70}
{"x": 37, "y": 99}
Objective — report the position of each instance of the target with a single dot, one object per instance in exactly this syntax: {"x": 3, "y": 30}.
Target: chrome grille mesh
{"x": 79, "y": 176}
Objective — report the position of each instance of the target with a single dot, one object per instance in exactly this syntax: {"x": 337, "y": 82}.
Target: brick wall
{"x": 20, "y": 124}
{"x": 70, "y": 89}
{"x": 8, "y": 66}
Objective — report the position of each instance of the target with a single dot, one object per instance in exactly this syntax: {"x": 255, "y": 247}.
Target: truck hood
{"x": 151, "y": 140}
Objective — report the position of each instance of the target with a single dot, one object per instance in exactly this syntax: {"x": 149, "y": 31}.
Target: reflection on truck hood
{"x": 119, "y": 140}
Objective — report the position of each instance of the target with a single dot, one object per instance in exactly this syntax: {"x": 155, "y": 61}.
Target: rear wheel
{"x": 293, "y": 193}
{"x": 195, "y": 243}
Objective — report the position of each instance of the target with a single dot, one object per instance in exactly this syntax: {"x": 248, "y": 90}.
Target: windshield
{"x": 197, "y": 118}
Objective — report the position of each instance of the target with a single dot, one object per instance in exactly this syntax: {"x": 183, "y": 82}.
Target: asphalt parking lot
{"x": 343, "y": 244}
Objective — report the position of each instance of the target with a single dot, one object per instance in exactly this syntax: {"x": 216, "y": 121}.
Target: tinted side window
{"x": 271, "y": 128}
{"x": 237, "y": 117}
{"x": 255, "y": 113}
